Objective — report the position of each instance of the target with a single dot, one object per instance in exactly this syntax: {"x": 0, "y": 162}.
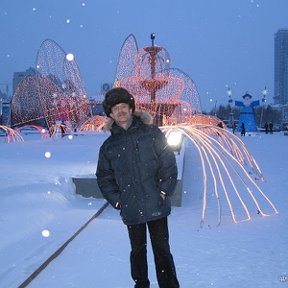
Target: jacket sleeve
{"x": 106, "y": 180}
{"x": 167, "y": 170}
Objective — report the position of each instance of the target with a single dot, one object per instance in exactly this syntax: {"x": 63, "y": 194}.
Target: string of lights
{"x": 166, "y": 93}
{"x": 232, "y": 174}
{"x": 55, "y": 93}
{"x": 11, "y": 135}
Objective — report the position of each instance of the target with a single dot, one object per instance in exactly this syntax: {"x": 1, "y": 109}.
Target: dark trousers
{"x": 165, "y": 268}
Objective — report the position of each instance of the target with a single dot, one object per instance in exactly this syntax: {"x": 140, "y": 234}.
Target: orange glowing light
{"x": 42, "y": 131}
{"x": 54, "y": 93}
{"x": 95, "y": 124}
{"x": 11, "y": 135}
{"x": 232, "y": 169}
{"x": 59, "y": 130}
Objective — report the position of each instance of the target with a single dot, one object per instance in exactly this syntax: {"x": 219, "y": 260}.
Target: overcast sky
{"x": 216, "y": 42}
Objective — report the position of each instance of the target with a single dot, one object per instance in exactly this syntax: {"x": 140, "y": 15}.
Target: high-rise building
{"x": 281, "y": 67}
{"x": 19, "y": 76}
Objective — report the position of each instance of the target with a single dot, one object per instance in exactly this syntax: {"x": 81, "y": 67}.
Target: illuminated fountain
{"x": 55, "y": 93}
{"x": 229, "y": 174}
{"x": 168, "y": 94}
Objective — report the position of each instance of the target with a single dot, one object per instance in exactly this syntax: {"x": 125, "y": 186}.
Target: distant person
{"x": 74, "y": 127}
{"x": 137, "y": 174}
{"x": 271, "y": 127}
{"x": 220, "y": 124}
{"x": 63, "y": 128}
{"x": 243, "y": 130}
{"x": 266, "y": 126}
{"x": 233, "y": 127}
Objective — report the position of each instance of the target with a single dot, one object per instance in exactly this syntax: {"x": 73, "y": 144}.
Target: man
{"x": 137, "y": 174}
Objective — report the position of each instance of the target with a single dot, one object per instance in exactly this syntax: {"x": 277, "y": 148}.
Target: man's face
{"x": 121, "y": 114}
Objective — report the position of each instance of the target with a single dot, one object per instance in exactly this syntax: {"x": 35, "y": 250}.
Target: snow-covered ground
{"x": 37, "y": 195}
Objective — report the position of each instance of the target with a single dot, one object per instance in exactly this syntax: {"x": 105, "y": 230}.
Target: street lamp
{"x": 152, "y": 36}
{"x": 264, "y": 93}
{"x": 231, "y": 115}
{"x": 229, "y": 92}
{"x": 175, "y": 140}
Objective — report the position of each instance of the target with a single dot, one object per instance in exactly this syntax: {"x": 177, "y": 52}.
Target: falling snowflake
{"x": 45, "y": 233}
{"x": 69, "y": 57}
{"x": 47, "y": 155}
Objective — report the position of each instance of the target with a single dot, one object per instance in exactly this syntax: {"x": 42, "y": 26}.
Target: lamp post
{"x": 152, "y": 36}
{"x": 231, "y": 115}
{"x": 264, "y": 93}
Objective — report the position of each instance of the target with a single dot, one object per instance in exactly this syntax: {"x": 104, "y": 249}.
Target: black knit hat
{"x": 116, "y": 96}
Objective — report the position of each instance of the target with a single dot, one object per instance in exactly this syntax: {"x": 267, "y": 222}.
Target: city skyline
{"x": 219, "y": 45}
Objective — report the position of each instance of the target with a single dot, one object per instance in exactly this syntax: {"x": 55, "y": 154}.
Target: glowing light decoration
{"x": 203, "y": 119}
{"x": 44, "y": 133}
{"x": 11, "y": 135}
{"x": 55, "y": 93}
{"x": 174, "y": 138}
{"x": 158, "y": 89}
{"x": 58, "y": 130}
{"x": 95, "y": 123}
{"x": 232, "y": 170}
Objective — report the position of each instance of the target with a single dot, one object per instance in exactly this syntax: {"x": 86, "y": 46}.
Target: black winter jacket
{"x": 134, "y": 166}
